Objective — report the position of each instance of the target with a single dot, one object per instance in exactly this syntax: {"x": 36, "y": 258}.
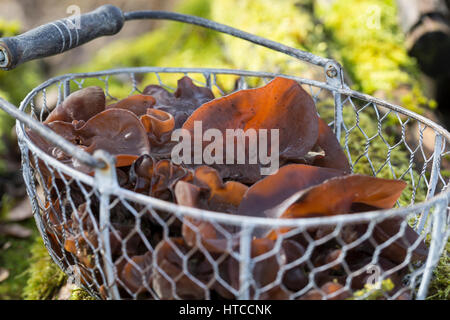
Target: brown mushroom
{"x": 187, "y": 98}
{"x": 335, "y": 291}
{"x": 266, "y": 266}
{"x": 336, "y": 196}
{"x": 118, "y": 132}
{"x": 222, "y": 195}
{"x": 407, "y": 239}
{"x": 209, "y": 192}
{"x": 80, "y": 105}
{"x": 173, "y": 279}
{"x": 334, "y": 155}
{"x": 282, "y": 105}
{"x": 271, "y": 191}
{"x": 159, "y": 126}
{"x": 165, "y": 176}
{"x": 136, "y": 274}
{"x": 138, "y": 104}
{"x": 157, "y": 178}
{"x": 157, "y": 122}
{"x": 294, "y": 278}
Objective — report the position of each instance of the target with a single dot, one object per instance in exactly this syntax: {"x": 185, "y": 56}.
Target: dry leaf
{"x": 21, "y": 212}
{"x": 4, "y": 274}
{"x": 15, "y": 230}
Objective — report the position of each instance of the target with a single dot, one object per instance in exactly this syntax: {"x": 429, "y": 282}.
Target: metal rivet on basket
{"x": 332, "y": 72}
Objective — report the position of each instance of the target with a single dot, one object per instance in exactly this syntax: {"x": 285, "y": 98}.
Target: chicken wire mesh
{"x": 119, "y": 244}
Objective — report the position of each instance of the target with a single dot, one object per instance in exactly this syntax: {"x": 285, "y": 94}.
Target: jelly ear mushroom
{"x": 334, "y": 155}
{"x": 207, "y": 191}
{"x": 141, "y": 173}
{"x": 204, "y": 234}
{"x": 173, "y": 282}
{"x": 194, "y": 230}
{"x": 294, "y": 278}
{"x": 165, "y": 176}
{"x": 187, "y": 98}
{"x": 406, "y": 238}
{"x": 265, "y": 270}
{"x": 161, "y": 95}
{"x": 64, "y": 129}
{"x": 80, "y": 105}
{"x": 118, "y": 132}
{"x": 157, "y": 122}
{"x": 138, "y": 104}
{"x": 157, "y": 178}
{"x": 187, "y": 194}
{"x": 335, "y": 291}
{"x": 136, "y": 274}
{"x": 274, "y": 189}
{"x": 142, "y": 167}
{"x": 187, "y": 90}
{"x": 336, "y": 196}
{"x": 187, "y": 94}
{"x": 281, "y": 104}
{"x": 230, "y": 192}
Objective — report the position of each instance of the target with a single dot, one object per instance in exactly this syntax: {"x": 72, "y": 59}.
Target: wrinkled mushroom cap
{"x": 138, "y": 104}
{"x": 80, "y": 105}
{"x": 118, "y": 132}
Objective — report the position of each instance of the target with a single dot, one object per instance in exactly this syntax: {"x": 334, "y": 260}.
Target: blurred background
{"x": 396, "y": 50}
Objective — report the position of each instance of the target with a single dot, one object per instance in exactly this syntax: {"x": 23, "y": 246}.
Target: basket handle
{"x": 59, "y": 36}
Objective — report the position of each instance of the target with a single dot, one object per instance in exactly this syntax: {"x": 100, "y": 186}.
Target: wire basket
{"x": 113, "y": 260}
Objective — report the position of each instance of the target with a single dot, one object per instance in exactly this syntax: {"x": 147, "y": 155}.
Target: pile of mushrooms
{"x": 150, "y": 252}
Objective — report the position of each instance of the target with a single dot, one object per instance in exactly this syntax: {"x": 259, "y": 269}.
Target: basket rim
{"x": 221, "y": 217}
{"x": 344, "y": 90}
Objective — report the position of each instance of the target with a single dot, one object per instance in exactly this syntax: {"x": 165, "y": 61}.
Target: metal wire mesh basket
{"x": 163, "y": 268}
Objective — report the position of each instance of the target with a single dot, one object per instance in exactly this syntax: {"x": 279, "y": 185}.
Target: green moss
{"x": 16, "y": 260}
{"x": 372, "y": 48}
{"x": 283, "y": 22}
{"x": 374, "y": 292}
{"x": 440, "y": 285}
{"x": 80, "y": 294}
{"x": 44, "y": 276}
{"x": 6, "y": 204}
